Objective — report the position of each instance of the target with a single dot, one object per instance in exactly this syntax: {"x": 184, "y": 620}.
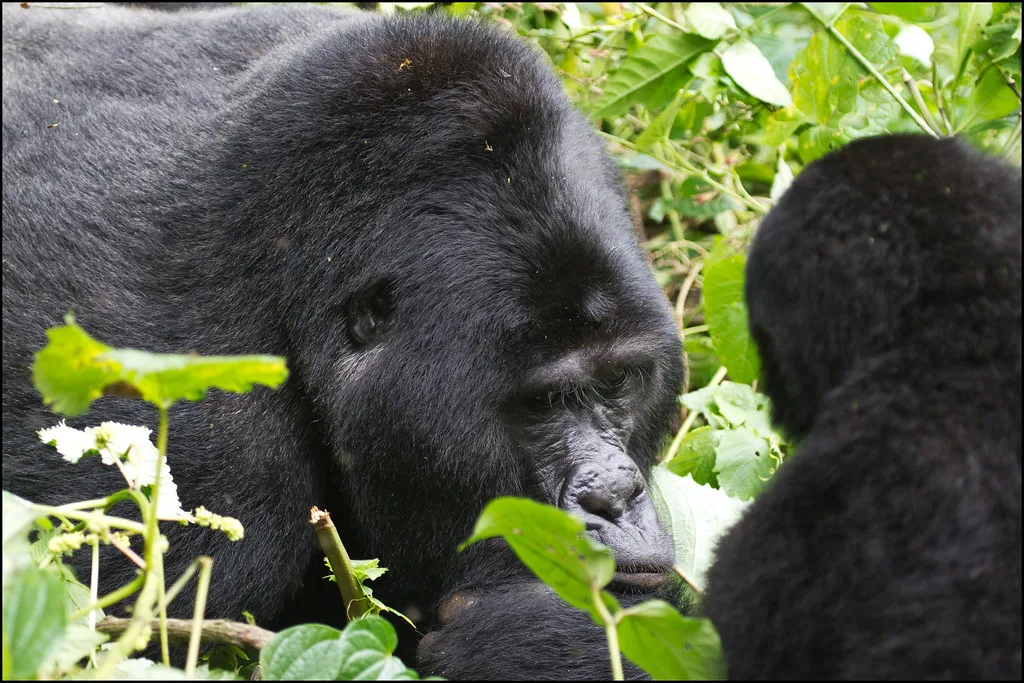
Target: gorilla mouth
{"x": 644, "y": 578}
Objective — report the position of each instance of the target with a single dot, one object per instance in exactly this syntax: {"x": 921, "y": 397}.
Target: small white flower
{"x": 71, "y": 443}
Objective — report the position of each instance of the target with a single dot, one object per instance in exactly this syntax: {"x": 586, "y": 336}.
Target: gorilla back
{"x": 411, "y": 213}
{"x": 884, "y": 294}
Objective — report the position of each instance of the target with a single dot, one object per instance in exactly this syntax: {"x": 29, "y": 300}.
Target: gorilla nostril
{"x": 604, "y": 504}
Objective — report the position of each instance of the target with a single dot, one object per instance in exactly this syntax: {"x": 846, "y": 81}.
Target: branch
{"x": 218, "y": 631}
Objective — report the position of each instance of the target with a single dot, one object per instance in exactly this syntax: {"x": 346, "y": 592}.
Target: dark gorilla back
{"x": 409, "y": 210}
{"x": 884, "y": 294}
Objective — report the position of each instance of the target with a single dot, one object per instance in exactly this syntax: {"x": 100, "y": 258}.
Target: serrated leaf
{"x": 652, "y": 75}
{"x": 34, "y": 620}
{"x": 74, "y": 369}
{"x": 743, "y": 462}
{"x": 553, "y": 544}
{"x": 725, "y": 311}
{"x": 696, "y": 516}
{"x": 746, "y": 65}
{"x": 79, "y": 642}
{"x": 668, "y": 645}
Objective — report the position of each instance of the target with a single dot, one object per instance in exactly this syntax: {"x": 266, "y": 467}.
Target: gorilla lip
{"x": 644, "y": 579}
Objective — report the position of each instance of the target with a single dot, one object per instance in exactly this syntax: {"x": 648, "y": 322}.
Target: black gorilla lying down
{"x": 884, "y": 294}
{"x": 408, "y": 210}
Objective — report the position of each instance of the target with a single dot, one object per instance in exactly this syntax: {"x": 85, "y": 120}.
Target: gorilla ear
{"x": 369, "y": 311}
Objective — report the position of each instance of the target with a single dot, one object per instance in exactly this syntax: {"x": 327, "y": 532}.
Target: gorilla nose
{"x": 606, "y": 491}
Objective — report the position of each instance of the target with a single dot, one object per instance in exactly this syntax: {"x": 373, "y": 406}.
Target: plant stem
{"x": 611, "y": 631}
{"x": 356, "y": 604}
{"x": 118, "y": 522}
{"x": 154, "y": 556}
{"x": 919, "y": 101}
{"x": 855, "y": 53}
{"x": 202, "y": 588}
{"x": 690, "y": 417}
{"x": 219, "y": 631}
{"x": 110, "y": 598}
{"x": 94, "y": 582}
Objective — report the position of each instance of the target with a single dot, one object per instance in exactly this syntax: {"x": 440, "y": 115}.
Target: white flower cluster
{"x": 130, "y": 449}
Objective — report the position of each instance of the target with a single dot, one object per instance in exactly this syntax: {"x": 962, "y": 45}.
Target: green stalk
{"x": 202, "y": 589}
{"x": 612, "y": 632}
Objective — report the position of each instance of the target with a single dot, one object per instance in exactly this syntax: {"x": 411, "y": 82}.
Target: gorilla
{"x": 884, "y": 295}
{"x": 410, "y": 211}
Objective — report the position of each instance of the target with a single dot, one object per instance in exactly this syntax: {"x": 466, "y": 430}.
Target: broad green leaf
{"x": 652, "y": 75}
{"x": 661, "y": 126}
{"x": 744, "y": 463}
{"x": 363, "y": 651}
{"x": 34, "y": 619}
{"x": 972, "y": 19}
{"x": 990, "y": 99}
{"x": 818, "y": 141}
{"x": 746, "y": 65}
{"x": 726, "y": 314}
{"x": 709, "y": 19}
{"x": 826, "y": 76}
{"x": 696, "y": 456}
{"x": 553, "y": 544}
{"x": 668, "y": 645}
{"x": 696, "y": 516}
{"x": 74, "y": 369}
{"x": 305, "y": 652}
{"x": 909, "y": 11}
{"x": 1002, "y": 37}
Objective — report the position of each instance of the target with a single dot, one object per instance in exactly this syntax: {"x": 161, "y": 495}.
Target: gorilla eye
{"x": 619, "y": 381}
{"x": 542, "y": 402}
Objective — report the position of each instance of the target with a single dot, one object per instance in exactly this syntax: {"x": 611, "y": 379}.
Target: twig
{"x": 217, "y": 631}
{"x": 689, "y": 582}
{"x": 911, "y": 84}
{"x": 659, "y": 16}
{"x": 356, "y": 604}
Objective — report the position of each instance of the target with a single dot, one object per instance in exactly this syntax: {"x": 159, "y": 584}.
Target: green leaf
{"x": 661, "y": 126}
{"x": 726, "y": 314}
{"x": 826, "y": 76}
{"x": 668, "y": 645}
{"x": 972, "y": 19}
{"x": 910, "y": 11}
{"x": 553, "y": 544}
{"x": 74, "y": 369}
{"x": 746, "y": 65}
{"x": 709, "y": 19}
{"x": 79, "y": 642}
{"x": 743, "y": 462}
{"x": 312, "y": 651}
{"x": 988, "y": 100}
{"x": 696, "y": 456}
{"x": 696, "y": 516}
{"x": 34, "y": 619}
{"x": 652, "y": 75}
{"x": 1002, "y": 37}
{"x": 309, "y": 651}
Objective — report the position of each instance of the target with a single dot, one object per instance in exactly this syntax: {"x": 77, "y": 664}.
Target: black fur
{"x": 408, "y": 210}
{"x": 884, "y": 293}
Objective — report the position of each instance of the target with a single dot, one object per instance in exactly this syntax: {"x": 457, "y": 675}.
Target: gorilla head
{"x": 884, "y": 294}
{"x": 410, "y": 211}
